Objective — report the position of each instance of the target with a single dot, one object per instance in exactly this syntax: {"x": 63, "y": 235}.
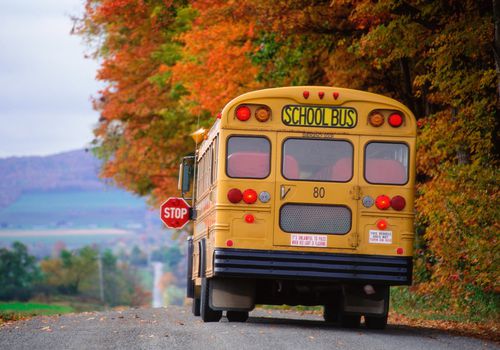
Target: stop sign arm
{"x": 193, "y": 213}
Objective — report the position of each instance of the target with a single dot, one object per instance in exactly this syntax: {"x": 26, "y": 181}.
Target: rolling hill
{"x": 74, "y": 170}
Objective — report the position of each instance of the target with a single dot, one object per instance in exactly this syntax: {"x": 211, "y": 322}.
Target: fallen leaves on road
{"x": 484, "y": 330}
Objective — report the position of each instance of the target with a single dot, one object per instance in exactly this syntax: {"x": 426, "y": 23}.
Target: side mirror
{"x": 185, "y": 174}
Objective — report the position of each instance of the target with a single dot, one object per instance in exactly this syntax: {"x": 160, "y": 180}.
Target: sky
{"x": 46, "y": 84}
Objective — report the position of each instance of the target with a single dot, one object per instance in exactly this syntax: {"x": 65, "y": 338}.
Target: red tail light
{"x": 249, "y": 196}
{"x": 383, "y": 202}
{"x": 249, "y": 218}
{"x": 398, "y": 203}
{"x": 234, "y": 195}
{"x": 382, "y": 224}
{"x": 243, "y": 113}
{"x": 395, "y": 120}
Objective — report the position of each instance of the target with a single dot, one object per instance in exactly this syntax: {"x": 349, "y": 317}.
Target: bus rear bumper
{"x": 332, "y": 267}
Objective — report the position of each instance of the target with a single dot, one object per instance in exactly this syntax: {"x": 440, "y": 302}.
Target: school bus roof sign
{"x": 319, "y": 116}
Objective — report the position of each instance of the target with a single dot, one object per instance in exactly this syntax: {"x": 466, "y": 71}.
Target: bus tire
{"x": 196, "y": 306}
{"x": 374, "y": 322}
{"x": 206, "y": 312}
{"x": 331, "y": 313}
{"x": 350, "y": 321}
{"x": 237, "y": 316}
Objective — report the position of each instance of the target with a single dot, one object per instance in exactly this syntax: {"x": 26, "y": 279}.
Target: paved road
{"x": 176, "y": 328}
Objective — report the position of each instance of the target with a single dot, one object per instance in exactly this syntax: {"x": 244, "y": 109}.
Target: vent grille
{"x": 326, "y": 219}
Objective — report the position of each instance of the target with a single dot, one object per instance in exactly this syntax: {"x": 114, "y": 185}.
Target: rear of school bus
{"x": 313, "y": 204}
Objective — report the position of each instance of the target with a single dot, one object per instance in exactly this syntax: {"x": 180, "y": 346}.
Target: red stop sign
{"x": 174, "y": 212}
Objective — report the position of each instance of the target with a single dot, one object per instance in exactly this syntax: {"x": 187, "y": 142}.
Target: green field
{"x": 75, "y": 209}
{"x": 17, "y": 310}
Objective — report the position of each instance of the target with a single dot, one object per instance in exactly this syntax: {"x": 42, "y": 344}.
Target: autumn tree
{"x": 142, "y": 127}
{"x": 72, "y": 269}
{"x": 172, "y": 65}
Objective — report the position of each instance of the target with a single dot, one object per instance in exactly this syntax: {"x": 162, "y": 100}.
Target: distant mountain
{"x": 74, "y": 170}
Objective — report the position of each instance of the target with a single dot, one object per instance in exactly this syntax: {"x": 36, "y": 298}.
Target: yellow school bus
{"x": 302, "y": 196}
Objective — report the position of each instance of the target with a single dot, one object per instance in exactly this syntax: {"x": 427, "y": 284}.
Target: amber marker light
{"x": 262, "y": 114}
{"x": 376, "y": 119}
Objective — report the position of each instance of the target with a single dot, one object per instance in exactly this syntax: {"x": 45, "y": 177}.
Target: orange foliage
{"x": 168, "y": 64}
{"x": 216, "y": 66}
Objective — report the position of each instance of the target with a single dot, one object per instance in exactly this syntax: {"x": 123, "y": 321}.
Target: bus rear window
{"x": 386, "y": 163}
{"x": 248, "y": 157}
{"x": 317, "y": 160}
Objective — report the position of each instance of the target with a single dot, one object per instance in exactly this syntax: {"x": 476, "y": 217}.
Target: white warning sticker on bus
{"x": 309, "y": 240}
{"x": 381, "y": 237}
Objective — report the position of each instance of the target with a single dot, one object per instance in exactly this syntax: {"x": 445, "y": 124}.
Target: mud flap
{"x": 357, "y": 301}
{"x": 232, "y": 294}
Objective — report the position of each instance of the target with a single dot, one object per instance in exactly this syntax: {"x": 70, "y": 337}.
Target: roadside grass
{"x": 477, "y": 317}
{"x": 58, "y": 305}
{"x": 437, "y": 307}
{"x": 11, "y": 311}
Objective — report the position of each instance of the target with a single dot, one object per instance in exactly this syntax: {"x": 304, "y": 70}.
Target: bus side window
{"x": 214, "y": 160}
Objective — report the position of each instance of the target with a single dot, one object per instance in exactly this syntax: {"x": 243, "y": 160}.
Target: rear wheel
{"x": 237, "y": 316}
{"x": 331, "y": 313}
{"x": 374, "y": 322}
{"x": 196, "y": 306}
{"x": 206, "y": 312}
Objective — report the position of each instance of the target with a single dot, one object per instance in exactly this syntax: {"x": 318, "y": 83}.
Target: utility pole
{"x": 101, "y": 281}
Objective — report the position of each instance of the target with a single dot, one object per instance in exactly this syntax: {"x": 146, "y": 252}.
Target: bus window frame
{"x": 215, "y": 158}
{"x": 407, "y": 166}
{"x": 315, "y": 205}
{"x": 317, "y": 139}
{"x": 226, "y": 156}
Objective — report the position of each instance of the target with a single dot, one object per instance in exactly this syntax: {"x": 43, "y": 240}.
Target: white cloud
{"x": 28, "y": 133}
{"x": 45, "y": 82}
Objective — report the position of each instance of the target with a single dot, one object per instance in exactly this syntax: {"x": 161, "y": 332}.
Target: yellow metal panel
{"x": 222, "y": 223}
